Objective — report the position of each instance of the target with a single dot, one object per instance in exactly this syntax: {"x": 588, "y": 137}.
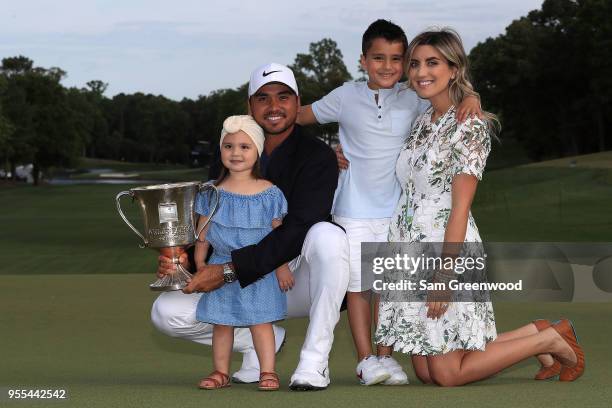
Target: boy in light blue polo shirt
{"x": 375, "y": 119}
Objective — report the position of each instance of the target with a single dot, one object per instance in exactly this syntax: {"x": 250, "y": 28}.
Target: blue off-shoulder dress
{"x": 242, "y": 220}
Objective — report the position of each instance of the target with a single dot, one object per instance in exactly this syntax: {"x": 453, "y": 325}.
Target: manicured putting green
{"x": 91, "y": 335}
{"x": 75, "y": 305}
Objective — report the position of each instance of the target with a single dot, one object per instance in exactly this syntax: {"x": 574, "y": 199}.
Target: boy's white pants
{"x": 321, "y": 275}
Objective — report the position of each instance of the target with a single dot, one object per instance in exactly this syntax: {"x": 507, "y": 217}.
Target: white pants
{"x": 321, "y": 278}
{"x": 358, "y": 231}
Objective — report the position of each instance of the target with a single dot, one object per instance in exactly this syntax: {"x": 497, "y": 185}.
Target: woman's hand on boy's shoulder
{"x": 469, "y": 107}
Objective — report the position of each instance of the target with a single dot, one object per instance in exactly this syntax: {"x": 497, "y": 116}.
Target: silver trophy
{"x": 169, "y": 223}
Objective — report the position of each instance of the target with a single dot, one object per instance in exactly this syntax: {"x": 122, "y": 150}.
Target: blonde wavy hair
{"x": 448, "y": 43}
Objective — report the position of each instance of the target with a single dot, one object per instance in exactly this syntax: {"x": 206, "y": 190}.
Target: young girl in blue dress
{"x": 249, "y": 208}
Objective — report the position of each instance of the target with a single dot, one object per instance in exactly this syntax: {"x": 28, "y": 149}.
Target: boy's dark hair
{"x": 383, "y": 29}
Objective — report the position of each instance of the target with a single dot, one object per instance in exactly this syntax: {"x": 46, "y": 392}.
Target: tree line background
{"x": 548, "y": 77}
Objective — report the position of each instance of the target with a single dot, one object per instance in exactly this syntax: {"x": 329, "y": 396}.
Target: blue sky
{"x": 187, "y": 48}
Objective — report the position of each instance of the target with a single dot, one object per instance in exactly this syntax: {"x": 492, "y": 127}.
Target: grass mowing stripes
{"x": 75, "y": 305}
{"x": 91, "y": 335}
{"x": 76, "y": 228}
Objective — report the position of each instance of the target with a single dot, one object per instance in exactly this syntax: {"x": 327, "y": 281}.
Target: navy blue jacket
{"x": 306, "y": 171}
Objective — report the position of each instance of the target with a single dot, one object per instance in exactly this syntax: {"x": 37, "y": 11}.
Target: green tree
{"x": 548, "y": 78}
{"x": 146, "y": 128}
{"x": 594, "y": 28}
{"x": 17, "y": 65}
{"x": 318, "y": 73}
{"x": 206, "y": 116}
{"x": 92, "y": 110}
{"x": 97, "y": 88}
{"x": 18, "y": 111}
{"x": 6, "y": 131}
{"x": 46, "y": 129}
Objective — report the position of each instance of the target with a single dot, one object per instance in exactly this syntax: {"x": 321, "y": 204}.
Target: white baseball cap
{"x": 272, "y": 72}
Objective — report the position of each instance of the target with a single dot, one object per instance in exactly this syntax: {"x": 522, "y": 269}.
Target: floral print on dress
{"x": 426, "y": 167}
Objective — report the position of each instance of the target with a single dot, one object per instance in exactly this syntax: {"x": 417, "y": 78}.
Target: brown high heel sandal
{"x": 546, "y": 372}
{"x": 225, "y": 381}
{"x": 272, "y": 378}
{"x": 566, "y": 329}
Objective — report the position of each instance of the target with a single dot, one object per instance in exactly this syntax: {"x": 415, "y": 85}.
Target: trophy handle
{"x": 207, "y": 186}
{"x": 117, "y": 200}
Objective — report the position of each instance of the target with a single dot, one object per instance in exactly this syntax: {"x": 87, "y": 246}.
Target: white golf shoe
{"x": 310, "y": 377}
{"x": 398, "y": 376}
{"x": 370, "y": 371}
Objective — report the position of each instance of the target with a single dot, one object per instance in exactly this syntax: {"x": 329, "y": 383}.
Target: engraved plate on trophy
{"x": 167, "y": 212}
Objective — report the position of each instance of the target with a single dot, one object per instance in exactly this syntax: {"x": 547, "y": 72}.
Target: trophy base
{"x": 175, "y": 281}
{"x": 161, "y": 287}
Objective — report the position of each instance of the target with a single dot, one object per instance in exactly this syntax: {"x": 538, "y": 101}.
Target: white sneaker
{"x": 370, "y": 371}
{"x": 309, "y": 377}
{"x": 398, "y": 376}
{"x": 249, "y": 370}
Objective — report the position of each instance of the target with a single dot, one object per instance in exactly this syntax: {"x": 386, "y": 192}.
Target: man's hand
{"x": 285, "y": 277}
{"x": 469, "y": 107}
{"x": 343, "y": 163}
{"x": 208, "y": 278}
{"x": 167, "y": 267}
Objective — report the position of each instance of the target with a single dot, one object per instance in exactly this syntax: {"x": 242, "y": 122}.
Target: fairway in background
{"x": 76, "y": 304}
{"x": 76, "y": 228}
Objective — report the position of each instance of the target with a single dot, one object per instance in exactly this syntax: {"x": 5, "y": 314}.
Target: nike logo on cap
{"x": 265, "y": 74}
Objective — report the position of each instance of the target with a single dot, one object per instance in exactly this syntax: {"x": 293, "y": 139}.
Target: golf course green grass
{"x": 76, "y": 229}
{"x": 91, "y": 335}
{"x": 545, "y": 204}
{"x": 75, "y": 304}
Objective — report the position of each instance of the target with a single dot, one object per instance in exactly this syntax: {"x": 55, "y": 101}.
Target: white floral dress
{"x": 438, "y": 156}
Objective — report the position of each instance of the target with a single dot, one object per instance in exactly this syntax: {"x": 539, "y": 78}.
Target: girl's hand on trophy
{"x": 167, "y": 267}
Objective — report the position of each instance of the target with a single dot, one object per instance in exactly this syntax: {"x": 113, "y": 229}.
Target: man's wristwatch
{"x": 228, "y": 273}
